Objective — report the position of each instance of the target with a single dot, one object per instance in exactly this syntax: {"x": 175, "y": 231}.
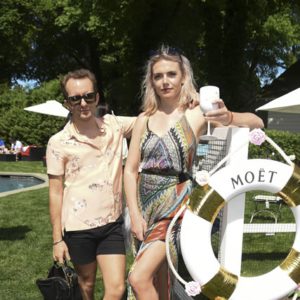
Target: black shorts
{"x": 85, "y": 245}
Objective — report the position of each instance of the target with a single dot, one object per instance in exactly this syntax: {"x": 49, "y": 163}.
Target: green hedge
{"x": 289, "y": 142}
{"x": 29, "y": 127}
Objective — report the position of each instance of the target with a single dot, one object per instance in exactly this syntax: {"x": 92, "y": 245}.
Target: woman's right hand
{"x": 61, "y": 252}
{"x": 138, "y": 226}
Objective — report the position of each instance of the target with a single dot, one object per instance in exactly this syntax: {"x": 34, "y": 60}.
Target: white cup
{"x": 208, "y": 94}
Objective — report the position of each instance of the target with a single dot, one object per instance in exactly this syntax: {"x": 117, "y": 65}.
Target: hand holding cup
{"x": 208, "y": 95}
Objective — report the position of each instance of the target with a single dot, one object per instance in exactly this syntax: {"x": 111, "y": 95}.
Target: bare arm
{"x": 138, "y": 224}
{"x": 224, "y": 117}
{"x": 60, "y": 249}
{"x": 245, "y": 119}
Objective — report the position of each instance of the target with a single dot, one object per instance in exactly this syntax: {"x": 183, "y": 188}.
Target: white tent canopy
{"x": 50, "y": 107}
{"x": 288, "y": 103}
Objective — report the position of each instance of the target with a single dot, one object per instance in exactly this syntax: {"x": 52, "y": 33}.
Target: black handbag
{"x": 61, "y": 283}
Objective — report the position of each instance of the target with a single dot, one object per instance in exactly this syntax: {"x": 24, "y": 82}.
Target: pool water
{"x": 14, "y": 182}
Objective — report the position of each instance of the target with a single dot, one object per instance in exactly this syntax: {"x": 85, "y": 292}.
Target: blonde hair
{"x": 188, "y": 91}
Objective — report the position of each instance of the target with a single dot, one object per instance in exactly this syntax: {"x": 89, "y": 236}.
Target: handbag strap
{"x": 70, "y": 274}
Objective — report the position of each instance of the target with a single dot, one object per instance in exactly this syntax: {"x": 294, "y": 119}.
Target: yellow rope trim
{"x": 208, "y": 204}
{"x": 291, "y": 192}
{"x": 291, "y": 265}
{"x": 222, "y": 285}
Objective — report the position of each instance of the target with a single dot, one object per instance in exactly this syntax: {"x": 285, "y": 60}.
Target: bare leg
{"x": 142, "y": 276}
{"x": 113, "y": 271}
{"x": 86, "y": 278}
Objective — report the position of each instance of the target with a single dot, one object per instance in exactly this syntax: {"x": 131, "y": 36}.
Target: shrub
{"x": 288, "y": 141}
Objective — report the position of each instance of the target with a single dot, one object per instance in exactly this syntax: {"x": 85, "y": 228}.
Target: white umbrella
{"x": 50, "y": 107}
{"x": 288, "y": 103}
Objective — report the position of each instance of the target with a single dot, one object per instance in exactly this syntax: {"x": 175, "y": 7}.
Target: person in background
{"x": 84, "y": 165}
{"x": 16, "y": 147}
{"x": 2, "y": 146}
{"x": 158, "y": 169}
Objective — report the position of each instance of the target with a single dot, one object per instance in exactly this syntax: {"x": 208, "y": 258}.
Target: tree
{"x": 29, "y": 127}
{"x": 234, "y": 44}
{"x": 246, "y": 42}
{"x": 16, "y": 36}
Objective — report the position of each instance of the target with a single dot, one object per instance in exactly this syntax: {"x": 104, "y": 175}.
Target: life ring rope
{"x": 171, "y": 266}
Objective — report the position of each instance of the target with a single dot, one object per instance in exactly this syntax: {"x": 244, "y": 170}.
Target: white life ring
{"x": 198, "y": 255}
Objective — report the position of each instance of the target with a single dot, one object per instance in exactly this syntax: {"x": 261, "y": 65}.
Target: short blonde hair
{"x": 188, "y": 91}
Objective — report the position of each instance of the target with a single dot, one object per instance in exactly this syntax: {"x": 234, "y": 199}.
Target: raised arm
{"x": 138, "y": 224}
{"x": 225, "y": 117}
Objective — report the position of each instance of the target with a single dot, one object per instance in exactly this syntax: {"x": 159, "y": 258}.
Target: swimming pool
{"x": 15, "y": 182}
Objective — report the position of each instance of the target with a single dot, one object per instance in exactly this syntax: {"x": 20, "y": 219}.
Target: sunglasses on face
{"x": 88, "y": 98}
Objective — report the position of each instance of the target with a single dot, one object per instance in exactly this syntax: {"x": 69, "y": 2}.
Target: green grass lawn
{"x": 26, "y": 241}
{"x": 261, "y": 252}
{"x": 22, "y": 166}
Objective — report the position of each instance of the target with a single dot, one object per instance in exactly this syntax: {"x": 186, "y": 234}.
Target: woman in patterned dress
{"x": 159, "y": 164}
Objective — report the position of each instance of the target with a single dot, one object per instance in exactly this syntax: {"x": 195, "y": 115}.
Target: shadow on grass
{"x": 265, "y": 256}
{"x": 13, "y": 233}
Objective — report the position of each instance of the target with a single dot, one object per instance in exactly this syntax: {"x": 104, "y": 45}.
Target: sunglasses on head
{"x": 88, "y": 98}
{"x": 169, "y": 51}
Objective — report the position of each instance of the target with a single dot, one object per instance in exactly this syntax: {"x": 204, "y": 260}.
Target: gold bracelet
{"x": 231, "y": 118}
{"x": 55, "y": 243}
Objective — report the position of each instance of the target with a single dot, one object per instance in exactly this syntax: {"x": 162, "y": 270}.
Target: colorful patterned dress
{"x": 164, "y": 185}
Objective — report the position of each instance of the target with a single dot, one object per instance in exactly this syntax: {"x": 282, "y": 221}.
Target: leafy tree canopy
{"x": 231, "y": 43}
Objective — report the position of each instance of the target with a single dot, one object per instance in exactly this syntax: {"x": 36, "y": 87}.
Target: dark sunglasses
{"x": 88, "y": 98}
